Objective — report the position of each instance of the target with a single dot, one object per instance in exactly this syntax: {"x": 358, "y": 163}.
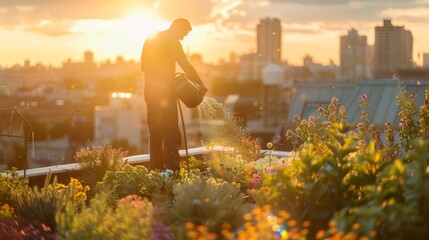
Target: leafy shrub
{"x": 6, "y": 212}
{"x": 96, "y": 161}
{"x": 399, "y": 206}
{"x": 317, "y": 185}
{"x": 41, "y": 205}
{"x": 138, "y": 181}
{"x": 130, "y": 220}
{"x": 231, "y": 169}
{"x": 9, "y": 184}
{"x": 210, "y": 203}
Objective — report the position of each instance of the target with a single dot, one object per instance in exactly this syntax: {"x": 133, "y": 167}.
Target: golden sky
{"x": 51, "y": 31}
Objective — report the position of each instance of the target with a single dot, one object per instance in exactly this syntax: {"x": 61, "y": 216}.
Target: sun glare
{"x": 139, "y": 22}
{"x": 143, "y": 22}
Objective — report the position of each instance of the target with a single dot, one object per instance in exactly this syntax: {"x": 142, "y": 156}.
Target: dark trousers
{"x": 162, "y": 118}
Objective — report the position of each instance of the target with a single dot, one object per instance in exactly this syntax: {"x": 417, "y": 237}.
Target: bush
{"x": 6, "y": 212}
{"x": 210, "y": 203}
{"x": 41, "y": 205}
{"x": 96, "y": 161}
{"x": 137, "y": 181}
{"x": 10, "y": 183}
{"x": 399, "y": 206}
{"x": 130, "y": 220}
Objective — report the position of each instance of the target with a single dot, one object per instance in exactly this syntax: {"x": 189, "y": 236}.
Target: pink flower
{"x": 413, "y": 96}
{"x": 402, "y": 125}
{"x": 256, "y": 179}
{"x": 387, "y": 124}
{"x": 363, "y": 98}
{"x": 320, "y": 109}
{"x": 359, "y": 125}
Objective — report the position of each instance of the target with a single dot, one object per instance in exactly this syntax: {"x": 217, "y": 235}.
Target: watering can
{"x": 187, "y": 91}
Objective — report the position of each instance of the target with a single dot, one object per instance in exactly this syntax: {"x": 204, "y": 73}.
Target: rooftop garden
{"x": 342, "y": 181}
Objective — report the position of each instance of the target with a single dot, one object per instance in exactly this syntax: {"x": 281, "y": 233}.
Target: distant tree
{"x": 126, "y": 146}
{"x": 223, "y": 87}
{"x": 59, "y": 129}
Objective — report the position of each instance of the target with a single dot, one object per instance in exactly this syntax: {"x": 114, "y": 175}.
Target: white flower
{"x": 196, "y": 201}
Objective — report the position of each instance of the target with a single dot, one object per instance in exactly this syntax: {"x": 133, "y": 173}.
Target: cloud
{"x": 20, "y": 12}
{"x": 28, "y": 14}
{"x": 420, "y": 14}
{"x": 197, "y": 11}
{"x": 343, "y": 2}
{"x": 49, "y": 28}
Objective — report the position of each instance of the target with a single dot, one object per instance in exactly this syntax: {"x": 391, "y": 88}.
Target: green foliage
{"x": 41, "y": 205}
{"x": 126, "y": 146}
{"x": 399, "y": 206}
{"x": 230, "y": 169}
{"x": 409, "y": 126}
{"x": 210, "y": 203}
{"x": 137, "y": 181}
{"x": 6, "y": 212}
{"x": 130, "y": 220}
{"x": 10, "y": 183}
{"x": 96, "y": 161}
{"x": 317, "y": 185}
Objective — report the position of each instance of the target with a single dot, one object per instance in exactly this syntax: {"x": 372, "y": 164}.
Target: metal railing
{"x": 137, "y": 160}
{"x": 14, "y": 127}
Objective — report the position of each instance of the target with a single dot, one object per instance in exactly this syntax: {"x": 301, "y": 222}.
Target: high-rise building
{"x": 269, "y": 39}
{"x": 88, "y": 57}
{"x": 353, "y": 56}
{"x": 393, "y": 49}
{"x": 426, "y": 60}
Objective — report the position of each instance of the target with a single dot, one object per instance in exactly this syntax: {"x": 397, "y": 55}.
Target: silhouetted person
{"x": 159, "y": 56}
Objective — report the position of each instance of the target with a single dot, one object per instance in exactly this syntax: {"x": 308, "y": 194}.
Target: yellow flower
{"x": 306, "y": 224}
{"x": 226, "y": 226}
{"x": 284, "y": 214}
{"x": 192, "y": 234}
{"x": 256, "y": 210}
{"x": 80, "y": 196}
{"x": 266, "y": 208}
{"x": 320, "y": 234}
{"x": 291, "y": 223}
{"x": 202, "y": 228}
{"x": 247, "y": 217}
{"x": 189, "y": 225}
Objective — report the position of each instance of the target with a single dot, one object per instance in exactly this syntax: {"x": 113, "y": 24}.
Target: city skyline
{"x": 51, "y": 32}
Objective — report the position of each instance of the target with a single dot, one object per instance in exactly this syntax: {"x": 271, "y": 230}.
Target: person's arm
{"x": 192, "y": 73}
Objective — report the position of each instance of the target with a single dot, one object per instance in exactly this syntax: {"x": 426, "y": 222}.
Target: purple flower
{"x": 161, "y": 232}
{"x": 270, "y": 170}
